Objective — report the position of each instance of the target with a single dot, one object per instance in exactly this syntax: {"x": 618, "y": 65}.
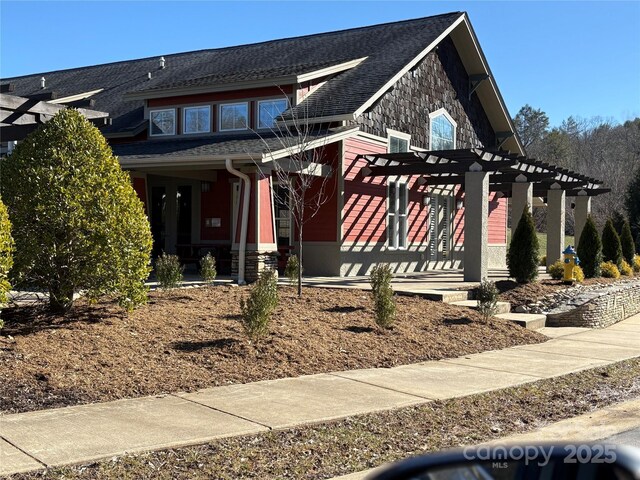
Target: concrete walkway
{"x": 85, "y": 433}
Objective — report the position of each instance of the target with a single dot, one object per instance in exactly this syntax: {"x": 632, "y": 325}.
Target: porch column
{"x": 521, "y": 196}
{"x": 476, "y": 229}
{"x": 580, "y": 214}
{"x": 555, "y": 223}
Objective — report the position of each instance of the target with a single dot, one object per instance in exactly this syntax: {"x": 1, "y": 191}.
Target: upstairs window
{"x": 398, "y": 142}
{"x": 442, "y": 131}
{"x": 197, "y": 119}
{"x": 163, "y": 122}
{"x": 269, "y": 110}
{"x": 397, "y": 216}
{"x": 234, "y": 116}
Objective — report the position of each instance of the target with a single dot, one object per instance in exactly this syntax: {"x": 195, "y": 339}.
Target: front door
{"x": 183, "y": 214}
{"x": 440, "y": 228}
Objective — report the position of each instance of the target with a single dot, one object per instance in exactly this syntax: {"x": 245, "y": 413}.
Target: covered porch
{"x": 220, "y": 196}
{"x": 478, "y": 173}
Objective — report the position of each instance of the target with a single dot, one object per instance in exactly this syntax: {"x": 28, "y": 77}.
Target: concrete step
{"x": 501, "y": 307}
{"x": 446, "y": 296}
{"x": 532, "y": 321}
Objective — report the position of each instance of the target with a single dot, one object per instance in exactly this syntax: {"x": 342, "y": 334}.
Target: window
{"x": 282, "y": 211}
{"x": 163, "y": 122}
{"x": 398, "y": 141}
{"x": 197, "y": 119}
{"x": 269, "y": 110}
{"x": 442, "y": 131}
{"x": 234, "y": 116}
{"x": 397, "y": 218}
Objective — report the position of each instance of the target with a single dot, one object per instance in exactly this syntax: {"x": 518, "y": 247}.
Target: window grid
{"x": 162, "y": 122}
{"x": 197, "y": 119}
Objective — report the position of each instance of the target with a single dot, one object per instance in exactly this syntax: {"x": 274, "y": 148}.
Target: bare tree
{"x": 306, "y": 171}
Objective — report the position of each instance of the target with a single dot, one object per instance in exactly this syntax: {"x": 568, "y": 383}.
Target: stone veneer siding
{"x": 255, "y": 262}
{"x": 439, "y": 81}
{"x": 600, "y": 308}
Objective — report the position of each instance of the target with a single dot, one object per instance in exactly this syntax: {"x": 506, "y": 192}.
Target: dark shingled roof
{"x": 388, "y": 48}
{"x": 218, "y": 145}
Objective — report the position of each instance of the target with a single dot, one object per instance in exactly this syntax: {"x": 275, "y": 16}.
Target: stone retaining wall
{"x": 598, "y": 308}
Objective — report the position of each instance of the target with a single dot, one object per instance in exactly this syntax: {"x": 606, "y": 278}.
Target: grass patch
{"x": 366, "y": 441}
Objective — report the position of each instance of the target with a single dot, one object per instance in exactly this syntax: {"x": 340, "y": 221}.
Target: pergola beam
{"x": 22, "y": 105}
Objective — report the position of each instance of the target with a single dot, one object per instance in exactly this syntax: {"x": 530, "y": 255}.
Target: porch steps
{"x": 531, "y": 321}
{"x": 446, "y": 296}
{"x": 502, "y": 307}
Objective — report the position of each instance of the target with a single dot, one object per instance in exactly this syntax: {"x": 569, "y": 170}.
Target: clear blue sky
{"x": 567, "y": 58}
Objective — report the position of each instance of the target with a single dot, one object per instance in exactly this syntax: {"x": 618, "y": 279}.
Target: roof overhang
{"x": 247, "y": 157}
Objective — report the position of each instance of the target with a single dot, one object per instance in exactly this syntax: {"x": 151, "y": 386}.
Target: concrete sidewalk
{"x": 33, "y": 440}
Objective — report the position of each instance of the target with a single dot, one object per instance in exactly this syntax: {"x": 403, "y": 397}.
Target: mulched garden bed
{"x": 365, "y": 441}
{"x": 189, "y": 339}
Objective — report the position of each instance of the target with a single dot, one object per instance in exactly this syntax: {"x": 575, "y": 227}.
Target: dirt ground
{"x": 189, "y": 339}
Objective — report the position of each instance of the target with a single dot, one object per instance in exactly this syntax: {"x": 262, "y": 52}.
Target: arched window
{"x": 442, "y": 131}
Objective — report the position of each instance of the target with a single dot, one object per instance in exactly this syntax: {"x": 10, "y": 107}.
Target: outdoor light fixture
{"x": 426, "y": 199}
{"x": 421, "y": 181}
{"x": 205, "y": 187}
{"x": 459, "y": 204}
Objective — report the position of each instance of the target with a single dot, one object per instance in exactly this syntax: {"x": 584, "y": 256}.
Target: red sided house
{"x": 403, "y": 122}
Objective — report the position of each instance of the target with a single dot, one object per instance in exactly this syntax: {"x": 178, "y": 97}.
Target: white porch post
{"x": 580, "y": 214}
{"x": 521, "y": 196}
{"x": 476, "y": 229}
{"x": 555, "y": 223}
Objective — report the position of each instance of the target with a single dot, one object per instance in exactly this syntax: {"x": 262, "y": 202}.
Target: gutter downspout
{"x": 245, "y": 218}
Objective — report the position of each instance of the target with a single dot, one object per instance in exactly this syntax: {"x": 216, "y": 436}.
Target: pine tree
{"x": 611, "y": 247}
{"x": 628, "y": 245}
{"x": 522, "y": 257}
{"x": 632, "y": 205}
{"x": 590, "y": 249}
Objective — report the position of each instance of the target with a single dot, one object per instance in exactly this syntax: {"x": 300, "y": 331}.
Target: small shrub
{"x": 611, "y": 247}
{"x": 636, "y": 264}
{"x": 590, "y": 249}
{"x": 625, "y": 269}
{"x": 487, "y": 296}
{"x": 384, "y": 303}
{"x": 609, "y": 270}
{"x": 208, "y": 270}
{"x": 168, "y": 271}
{"x": 628, "y": 245}
{"x": 543, "y": 261}
{"x": 557, "y": 270}
{"x": 262, "y": 301}
{"x": 578, "y": 274}
{"x": 522, "y": 257}
{"x": 291, "y": 270}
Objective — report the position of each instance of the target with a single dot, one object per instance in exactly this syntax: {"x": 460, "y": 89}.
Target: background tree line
{"x": 596, "y": 147}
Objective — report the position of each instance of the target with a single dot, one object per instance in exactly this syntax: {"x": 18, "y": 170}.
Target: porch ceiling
{"x": 447, "y": 167}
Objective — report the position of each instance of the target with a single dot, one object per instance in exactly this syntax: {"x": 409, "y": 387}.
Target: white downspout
{"x": 245, "y": 218}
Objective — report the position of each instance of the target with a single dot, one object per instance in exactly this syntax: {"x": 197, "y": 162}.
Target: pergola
{"x": 480, "y": 171}
{"x": 20, "y": 116}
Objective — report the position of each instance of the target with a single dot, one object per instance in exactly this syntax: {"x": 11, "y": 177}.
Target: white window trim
{"x": 151, "y": 112}
{"x": 220, "y": 129}
{"x": 400, "y": 135}
{"x": 396, "y": 215}
{"x": 269, "y": 100}
{"x": 184, "y": 119}
{"x": 437, "y": 113}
